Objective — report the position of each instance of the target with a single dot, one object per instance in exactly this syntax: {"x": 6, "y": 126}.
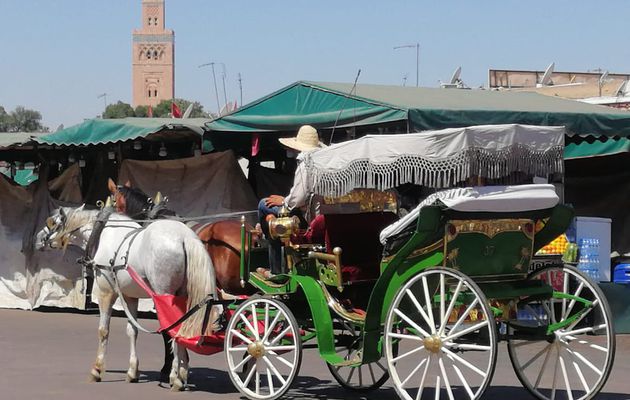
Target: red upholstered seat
{"x": 358, "y": 237}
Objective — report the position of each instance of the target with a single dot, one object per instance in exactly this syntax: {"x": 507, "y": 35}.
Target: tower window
{"x": 149, "y": 92}
{"x": 155, "y": 21}
{"x": 155, "y": 54}
{"x": 149, "y": 54}
{"x": 155, "y": 93}
{"x": 149, "y": 22}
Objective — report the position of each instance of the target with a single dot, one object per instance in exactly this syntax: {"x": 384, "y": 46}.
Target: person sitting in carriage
{"x": 307, "y": 139}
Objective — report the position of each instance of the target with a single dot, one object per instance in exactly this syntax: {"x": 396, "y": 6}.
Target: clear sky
{"x": 57, "y": 56}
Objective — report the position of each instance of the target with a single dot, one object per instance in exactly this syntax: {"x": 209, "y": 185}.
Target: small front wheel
{"x": 445, "y": 335}
{"x": 263, "y": 348}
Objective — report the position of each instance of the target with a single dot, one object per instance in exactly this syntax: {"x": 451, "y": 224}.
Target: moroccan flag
{"x": 255, "y": 144}
{"x": 175, "y": 111}
{"x": 150, "y": 112}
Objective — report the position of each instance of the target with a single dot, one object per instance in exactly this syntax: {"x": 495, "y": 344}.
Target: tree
{"x": 118, "y": 110}
{"x": 142, "y": 111}
{"x": 24, "y": 120}
{"x": 4, "y": 120}
{"x": 163, "y": 109}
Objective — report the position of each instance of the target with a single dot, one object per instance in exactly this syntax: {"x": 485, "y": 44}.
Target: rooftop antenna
{"x": 104, "y": 97}
{"x": 354, "y": 86}
{"x": 240, "y": 86}
{"x": 546, "y": 78}
{"x": 405, "y": 80}
{"x": 223, "y": 74}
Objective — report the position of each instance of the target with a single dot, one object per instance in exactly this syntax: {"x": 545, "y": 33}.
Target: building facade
{"x": 153, "y": 57}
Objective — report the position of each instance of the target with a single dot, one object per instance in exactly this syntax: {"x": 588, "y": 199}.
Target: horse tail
{"x": 201, "y": 281}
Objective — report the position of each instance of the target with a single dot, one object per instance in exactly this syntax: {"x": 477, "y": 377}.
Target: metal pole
{"x": 224, "y": 93}
{"x": 214, "y": 79}
{"x": 417, "y": 64}
{"x": 240, "y": 86}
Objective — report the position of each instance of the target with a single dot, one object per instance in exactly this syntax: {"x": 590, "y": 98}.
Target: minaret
{"x": 153, "y": 57}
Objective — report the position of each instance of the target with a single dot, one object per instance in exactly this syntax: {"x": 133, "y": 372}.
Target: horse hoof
{"x": 95, "y": 376}
{"x": 131, "y": 379}
{"x": 177, "y": 386}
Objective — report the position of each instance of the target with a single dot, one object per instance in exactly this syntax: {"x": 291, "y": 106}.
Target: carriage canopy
{"x": 437, "y": 159}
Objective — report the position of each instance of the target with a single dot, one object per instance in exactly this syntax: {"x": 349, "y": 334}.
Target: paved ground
{"x": 47, "y": 355}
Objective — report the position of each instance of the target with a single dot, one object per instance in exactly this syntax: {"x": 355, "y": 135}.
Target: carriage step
{"x": 354, "y": 362}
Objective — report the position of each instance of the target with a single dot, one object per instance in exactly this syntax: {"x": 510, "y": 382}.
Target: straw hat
{"x": 306, "y": 139}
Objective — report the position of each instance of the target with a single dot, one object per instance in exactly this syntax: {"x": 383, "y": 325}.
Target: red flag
{"x": 150, "y": 112}
{"x": 175, "y": 111}
{"x": 255, "y": 144}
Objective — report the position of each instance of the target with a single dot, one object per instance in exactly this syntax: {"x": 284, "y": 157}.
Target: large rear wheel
{"x": 572, "y": 362}
{"x": 445, "y": 334}
{"x": 263, "y": 348}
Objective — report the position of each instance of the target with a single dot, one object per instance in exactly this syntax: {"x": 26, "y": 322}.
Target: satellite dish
{"x": 188, "y": 111}
{"x": 622, "y": 89}
{"x": 546, "y": 78}
{"x": 456, "y": 74}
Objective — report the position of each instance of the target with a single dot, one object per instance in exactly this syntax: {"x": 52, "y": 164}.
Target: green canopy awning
{"x": 597, "y": 148}
{"x": 102, "y": 131}
{"x": 325, "y": 105}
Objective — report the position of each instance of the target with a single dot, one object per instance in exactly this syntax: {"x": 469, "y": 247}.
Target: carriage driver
{"x": 307, "y": 139}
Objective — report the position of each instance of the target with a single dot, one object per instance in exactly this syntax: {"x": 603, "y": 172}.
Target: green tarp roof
{"x": 101, "y": 131}
{"x": 319, "y": 104}
{"x": 597, "y": 148}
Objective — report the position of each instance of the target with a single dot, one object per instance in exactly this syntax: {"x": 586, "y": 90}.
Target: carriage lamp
{"x": 283, "y": 227}
{"x": 162, "y": 152}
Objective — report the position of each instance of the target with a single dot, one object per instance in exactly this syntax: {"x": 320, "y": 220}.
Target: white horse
{"x": 167, "y": 254}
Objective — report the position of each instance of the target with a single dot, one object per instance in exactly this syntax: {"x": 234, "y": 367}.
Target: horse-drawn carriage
{"x": 425, "y": 299}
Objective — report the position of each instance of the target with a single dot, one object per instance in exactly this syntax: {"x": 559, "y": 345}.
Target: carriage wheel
{"x": 573, "y": 362}
{"x": 263, "y": 348}
{"x": 364, "y": 377}
{"x": 446, "y": 337}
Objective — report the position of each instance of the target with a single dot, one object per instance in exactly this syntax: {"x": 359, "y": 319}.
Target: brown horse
{"x": 222, "y": 238}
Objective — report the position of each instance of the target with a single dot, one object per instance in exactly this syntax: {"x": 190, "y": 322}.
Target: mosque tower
{"x": 153, "y": 57}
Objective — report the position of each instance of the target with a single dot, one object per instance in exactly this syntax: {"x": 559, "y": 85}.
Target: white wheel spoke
{"x": 464, "y": 382}
{"x": 585, "y": 361}
{"x": 280, "y": 336}
{"x": 464, "y": 314}
{"x": 240, "y": 336}
{"x": 270, "y": 380}
{"x": 466, "y": 346}
{"x": 249, "y": 326}
{"x": 255, "y": 321}
{"x": 446, "y": 382}
{"x": 249, "y": 376}
{"x": 410, "y": 322}
{"x": 463, "y": 332}
{"x": 579, "y": 372}
{"x": 555, "y": 378}
{"x": 535, "y": 357}
{"x": 420, "y": 309}
{"x": 542, "y": 369}
{"x": 403, "y": 336}
{"x": 464, "y": 362}
{"x": 584, "y": 314}
{"x": 437, "y": 387}
{"x": 549, "y": 311}
{"x": 280, "y": 348}
{"x": 282, "y": 360}
{"x": 270, "y": 328}
{"x": 274, "y": 370}
{"x": 266, "y": 326}
{"x": 565, "y": 289}
{"x": 566, "y": 378}
{"x": 442, "y": 294}
{"x": 428, "y": 302}
{"x": 451, "y": 305}
{"x": 580, "y": 331}
{"x": 239, "y": 365}
{"x": 237, "y": 348}
{"x": 410, "y": 352}
{"x": 257, "y": 379}
{"x": 404, "y": 382}
{"x": 424, "y": 376}
{"x": 566, "y": 314}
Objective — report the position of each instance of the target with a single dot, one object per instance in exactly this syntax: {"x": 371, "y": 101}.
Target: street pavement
{"x": 47, "y": 355}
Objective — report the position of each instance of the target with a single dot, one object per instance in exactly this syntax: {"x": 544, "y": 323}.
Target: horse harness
{"x": 87, "y": 261}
